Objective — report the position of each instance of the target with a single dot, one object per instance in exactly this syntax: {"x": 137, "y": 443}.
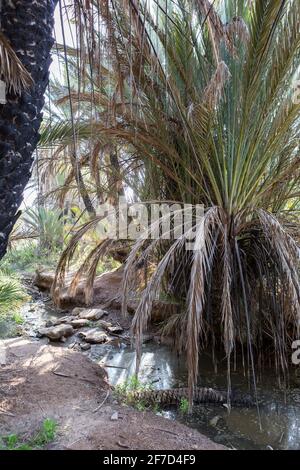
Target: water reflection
{"x": 279, "y": 412}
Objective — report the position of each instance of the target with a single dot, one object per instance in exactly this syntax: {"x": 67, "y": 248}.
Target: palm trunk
{"x": 28, "y": 27}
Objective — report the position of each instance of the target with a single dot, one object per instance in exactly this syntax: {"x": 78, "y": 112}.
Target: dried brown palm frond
{"x": 214, "y": 90}
{"x": 220, "y": 32}
{"x": 138, "y": 255}
{"x": 143, "y": 312}
{"x": 288, "y": 253}
{"x": 12, "y": 71}
{"x": 201, "y": 267}
{"x": 237, "y": 29}
{"x": 100, "y": 99}
{"x": 223, "y": 244}
{"x": 88, "y": 271}
{"x": 68, "y": 253}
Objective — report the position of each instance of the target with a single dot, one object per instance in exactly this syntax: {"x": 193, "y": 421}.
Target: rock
{"x": 92, "y": 314}
{"x": 79, "y": 323}
{"x": 82, "y": 334}
{"x": 89, "y": 313}
{"x": 214, "y": 421}
{"x": 114, "y": 416}
{"x": 85, "y": 346}
{"x": 115, "y": 342}
{"x": 115, "y": 329}
{"x": 222, "y": 438}
{"x": 106, "y": 287}
{"x": 42, "y": 332}
{"x": 74, "y": 346}
{"x": 65, "y": 319}
{"x": 104, "y": 324}
{"x": 49, "y": 323}
{"x": 54, "y": 333}
{"x": 43, "y": 280}
{"x": 76, "y": 311}
{"x": 94, "y": 336}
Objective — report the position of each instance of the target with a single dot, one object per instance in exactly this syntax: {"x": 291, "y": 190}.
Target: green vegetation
{"x": 12, "y": 296}
{"x": 12, "y": 442}
{"x": 108, "y": 264}
{"x": 132, "y": 384}
{"x": 184, "y": 406}
{"x": 43, "y": 437}
{"x": 127, "y": 392}
{"x": 46, "y": 434}
{"x": 27, "y": 257}
{"x": 47, "y": 225}
{"x": 123, "y": 392}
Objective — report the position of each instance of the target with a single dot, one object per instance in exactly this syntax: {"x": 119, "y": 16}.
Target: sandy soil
{"x": 39, "y": 381}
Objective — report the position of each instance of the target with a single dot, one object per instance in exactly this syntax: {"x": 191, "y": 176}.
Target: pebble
{"x": 114, "y": 416}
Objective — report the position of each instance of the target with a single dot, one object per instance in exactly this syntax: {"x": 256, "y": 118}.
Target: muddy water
{"x": 279, "y": 413}
{"x": 240, "y": 429}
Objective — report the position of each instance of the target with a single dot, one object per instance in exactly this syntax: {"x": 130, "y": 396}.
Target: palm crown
{"x": 203, "y": 98}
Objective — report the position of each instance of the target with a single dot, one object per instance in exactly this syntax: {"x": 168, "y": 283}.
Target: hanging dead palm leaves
{"x": 12, "y": 71}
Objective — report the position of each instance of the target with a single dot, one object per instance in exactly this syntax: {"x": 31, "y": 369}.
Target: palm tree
{"x": 222, "y": 127}
{"x": 25, "y": 45}
{"x": 211, "y": 118}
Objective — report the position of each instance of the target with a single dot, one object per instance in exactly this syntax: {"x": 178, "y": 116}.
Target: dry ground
{"x": 39, "y": 381}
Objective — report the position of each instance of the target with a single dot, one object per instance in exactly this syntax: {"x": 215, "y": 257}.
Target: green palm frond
{"x": 12, "y": 294}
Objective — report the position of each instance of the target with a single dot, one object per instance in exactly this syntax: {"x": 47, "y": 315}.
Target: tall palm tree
{"x": 211, "y": 116}
{"x": 25, "y": 42}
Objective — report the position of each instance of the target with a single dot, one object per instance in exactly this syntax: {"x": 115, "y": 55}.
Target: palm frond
{"x": 12, "y": 71}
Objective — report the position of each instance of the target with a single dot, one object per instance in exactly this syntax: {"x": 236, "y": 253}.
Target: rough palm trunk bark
{"x": 28, "y": 27}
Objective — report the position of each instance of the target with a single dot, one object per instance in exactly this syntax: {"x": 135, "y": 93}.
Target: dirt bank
{"x": 38, "y": 381}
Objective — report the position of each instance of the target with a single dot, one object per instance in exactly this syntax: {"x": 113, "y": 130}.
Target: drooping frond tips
{"x": 12, "y": 71}
{"x": 214, "y": 89}
{"x": 237, "y": 29}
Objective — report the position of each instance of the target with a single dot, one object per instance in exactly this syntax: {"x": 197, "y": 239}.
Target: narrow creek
{"x": 279, "y": 412}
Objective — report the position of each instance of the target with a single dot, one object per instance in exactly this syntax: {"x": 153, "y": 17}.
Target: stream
{"x": 160, "y": 366}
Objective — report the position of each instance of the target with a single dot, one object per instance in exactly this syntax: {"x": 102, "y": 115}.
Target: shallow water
{"x": 160, "y": 367}
{"x": 240, "y": 429}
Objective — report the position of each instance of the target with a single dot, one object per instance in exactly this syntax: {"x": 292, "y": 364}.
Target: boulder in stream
{"x": 103, "y": 324}
{"x": 115, "y": 329}
{"x": 94, "y": 336}
{"x": 89, "y": 313}
{"x": 64, "y": 319}
{"x": 55, "y": 333}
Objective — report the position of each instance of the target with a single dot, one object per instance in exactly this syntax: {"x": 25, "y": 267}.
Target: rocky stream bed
{"x": 102, "y": 336}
